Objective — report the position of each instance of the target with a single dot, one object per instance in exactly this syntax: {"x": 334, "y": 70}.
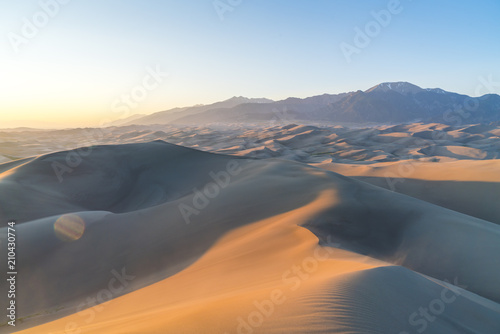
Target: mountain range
{"x": 386, "y": 103}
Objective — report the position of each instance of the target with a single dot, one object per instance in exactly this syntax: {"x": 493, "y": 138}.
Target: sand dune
{"x": 470, "y": 187}
{"x": 184, "y": 241}
{"x": 304, "y": 143}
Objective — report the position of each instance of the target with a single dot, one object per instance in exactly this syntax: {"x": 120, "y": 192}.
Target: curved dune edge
{"x": 243, "y": 266}
{"x": 467, "y": 186}
{"x": 215, "y": 274}
{"x": 463, "y": 170}
{"x": 248, "y": 283}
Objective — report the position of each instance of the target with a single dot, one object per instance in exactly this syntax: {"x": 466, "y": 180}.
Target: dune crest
{"x": 274, "y": 245}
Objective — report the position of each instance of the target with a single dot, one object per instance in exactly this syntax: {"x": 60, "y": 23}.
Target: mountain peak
{"x": 242, "y": 99}
{"x": 399, "y": 87}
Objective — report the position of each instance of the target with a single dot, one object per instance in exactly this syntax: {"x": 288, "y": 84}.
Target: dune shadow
{"x": 474, "y": 198}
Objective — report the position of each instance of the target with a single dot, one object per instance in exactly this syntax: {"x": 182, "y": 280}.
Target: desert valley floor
{"x": 277, "y": 228}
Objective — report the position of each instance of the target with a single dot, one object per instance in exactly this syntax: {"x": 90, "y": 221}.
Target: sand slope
{"x": 281, "y": 247}
{"x": 470, "y": 187}
{"x": 305, "y": 143}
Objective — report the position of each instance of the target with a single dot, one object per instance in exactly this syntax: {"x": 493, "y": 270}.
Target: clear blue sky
{"x": 91, "y": 52}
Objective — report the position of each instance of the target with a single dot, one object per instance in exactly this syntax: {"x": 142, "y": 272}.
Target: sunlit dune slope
{"x": 470, "y": 187}
{"x": 207, "y": 243}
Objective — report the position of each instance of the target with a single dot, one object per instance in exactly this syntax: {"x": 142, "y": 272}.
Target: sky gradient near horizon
{"x": 92, "y": 61}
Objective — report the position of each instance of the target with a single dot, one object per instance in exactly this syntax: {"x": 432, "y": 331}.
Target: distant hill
{"x": 404, "y": 102}
{"x": 167, "y": 116}
{"x": 125, "y": 121}
{"x": 386, "y": 103}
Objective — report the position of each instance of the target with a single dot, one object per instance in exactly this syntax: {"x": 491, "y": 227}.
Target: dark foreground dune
{"x": 174, "y": 240}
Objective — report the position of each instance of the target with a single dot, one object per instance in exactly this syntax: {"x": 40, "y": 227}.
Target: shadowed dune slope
{"x": 335, "y": 255}
{"x": 107, "y": 178}
{"x": 470, "y": 187}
